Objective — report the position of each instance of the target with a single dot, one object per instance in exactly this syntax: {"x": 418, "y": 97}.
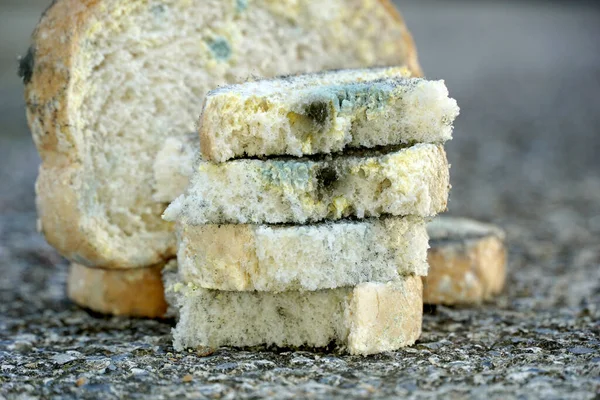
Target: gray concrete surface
{"x": 525, "y": 156}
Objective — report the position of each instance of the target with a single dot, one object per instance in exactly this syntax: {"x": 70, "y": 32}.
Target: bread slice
{"x": 135, "y": 292}
{"x": 108, "y": 82}
{"x": 278, "y": 258}
{"x": 467, "y": 262}
{"x": 366, "y": 319}
{"x": 409, "y": 181}
{"x": 324, "y": 113}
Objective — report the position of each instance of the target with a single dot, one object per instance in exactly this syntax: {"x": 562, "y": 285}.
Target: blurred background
{"x": 526, "y": 152}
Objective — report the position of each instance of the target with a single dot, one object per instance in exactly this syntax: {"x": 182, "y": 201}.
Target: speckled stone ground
{"x": 525, "y": 156}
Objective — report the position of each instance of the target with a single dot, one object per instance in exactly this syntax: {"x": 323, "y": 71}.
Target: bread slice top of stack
{"x": 110, "y": 82}
{"x": 323, "y": 113}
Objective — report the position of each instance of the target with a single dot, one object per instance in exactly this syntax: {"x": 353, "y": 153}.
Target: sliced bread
{"x": 467, "y": 262}
{"x": 323, "y": 113}
{"x": 108, "y": 82}
{"x": 279, "y": 258}
{"x": 408, "y": 181}
{"x": 366, "y": 319}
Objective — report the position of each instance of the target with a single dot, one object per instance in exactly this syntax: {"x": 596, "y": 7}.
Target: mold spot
{"x": 220, "y": 48}
{"x": 158, "y": 10}
{"x": 383, "y": 185}
{"x": 281, "y": 311}
{"x": 287, "y": 174}
{"x": 241, "y": 5}
{"x": 326, "y": 177}
{"x": 26, "y": 65}
{"x": 317, "y": 111}
{"x": 386, "y": 183}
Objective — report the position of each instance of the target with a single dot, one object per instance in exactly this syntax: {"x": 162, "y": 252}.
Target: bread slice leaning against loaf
{"x": 279, "y": 258}
{"x": 108, "y": 82}
{"x": 323, "y": 113}
{"x": 405, "y": 181}
{"x": 365, "y": 319}
{"x": 467, "y": 262}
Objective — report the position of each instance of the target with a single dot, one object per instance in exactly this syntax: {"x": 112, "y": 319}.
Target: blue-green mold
{"x": 241, "y": 5}
{"x": 288, "y": 173}
{"x": 220, "y": 48}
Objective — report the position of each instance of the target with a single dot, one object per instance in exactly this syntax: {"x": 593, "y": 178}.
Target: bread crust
{"x": 412, "y": 59}
{"x": 465, "y": 268}
{"x": 135, "y": 292}
{"x": 51, "y": 93}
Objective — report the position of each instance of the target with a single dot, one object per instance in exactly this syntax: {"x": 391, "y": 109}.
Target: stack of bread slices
{"x": 304, "y": 222}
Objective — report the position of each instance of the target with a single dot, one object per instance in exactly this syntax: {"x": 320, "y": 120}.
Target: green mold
{"x": 241, "y": 5}
{"x": 288, "y": 174}
{"x": 317, "y": 111}
{"x": 220, "y": 48}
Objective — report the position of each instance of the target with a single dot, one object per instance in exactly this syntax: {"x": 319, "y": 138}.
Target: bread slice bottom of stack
{"x": 320, "y": 237}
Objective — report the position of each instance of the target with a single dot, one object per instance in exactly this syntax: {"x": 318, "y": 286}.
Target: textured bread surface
{"x": 366, "y": 319}
{"x": 467, "y": 262}
{"x": 409, "y": 181}
{"x": 173, "y": 166}
{"x": 108, "y": 82}
{"x": 279, "y": 258}
{"x": 325, "y": 112}
{"x": 135, "y": 292}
